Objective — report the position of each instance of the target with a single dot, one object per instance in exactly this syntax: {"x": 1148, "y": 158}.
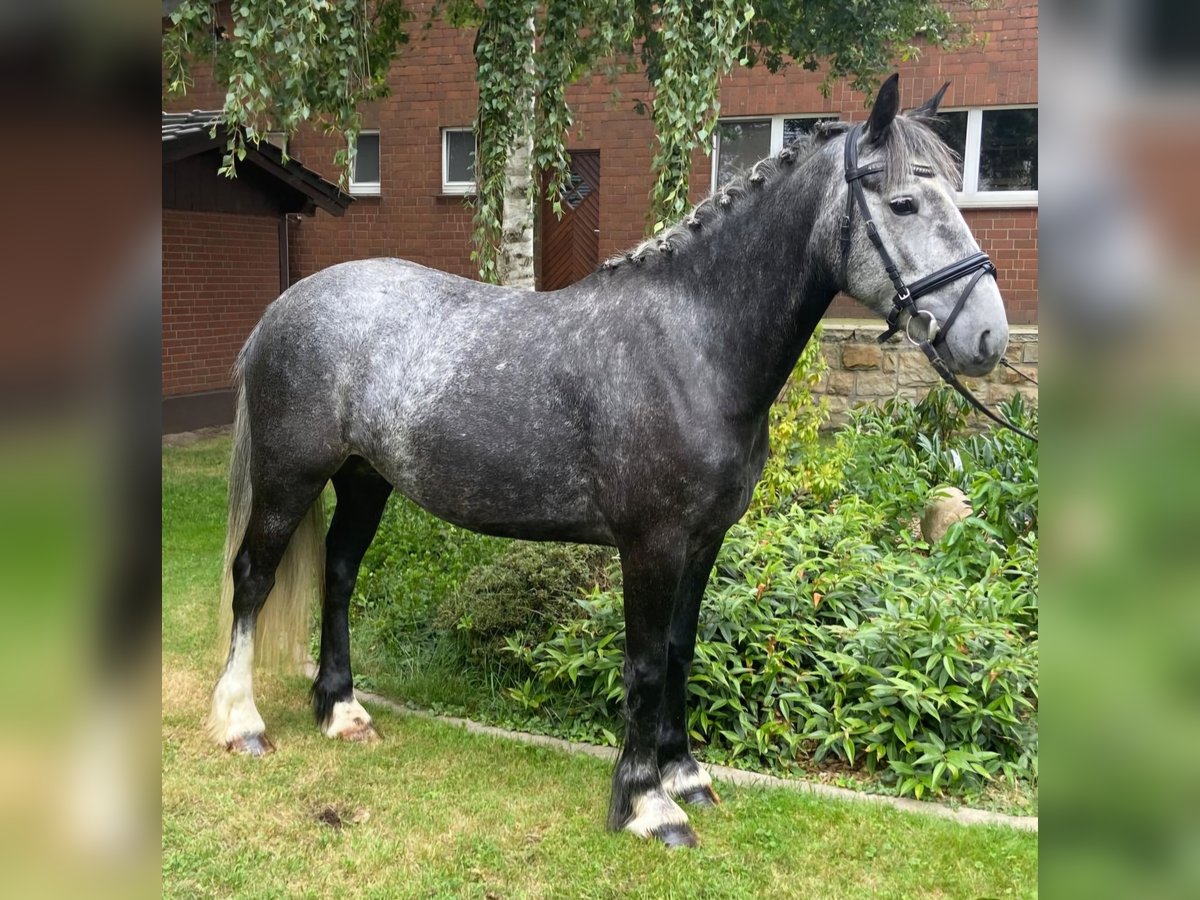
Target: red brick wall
{"x": 219, "y": 273}
{"x": 1010, "y": 237}
{"x": 433, "y": 87}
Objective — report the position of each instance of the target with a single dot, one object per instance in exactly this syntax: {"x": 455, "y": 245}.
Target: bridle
{"x": 905, "y": 300}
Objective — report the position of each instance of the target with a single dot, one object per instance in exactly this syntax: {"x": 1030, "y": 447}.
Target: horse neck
{"x": 762, "y": 286}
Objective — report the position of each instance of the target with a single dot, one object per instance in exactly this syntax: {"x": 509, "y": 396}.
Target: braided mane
{"x": 909, "y": 143}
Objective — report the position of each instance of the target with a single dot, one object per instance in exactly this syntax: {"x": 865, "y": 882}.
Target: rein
{"x": 905, "y": 300}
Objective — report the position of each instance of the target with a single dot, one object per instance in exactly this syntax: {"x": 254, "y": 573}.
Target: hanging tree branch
{"x": 284, "y": 63}
{"x": 291, "y": 61}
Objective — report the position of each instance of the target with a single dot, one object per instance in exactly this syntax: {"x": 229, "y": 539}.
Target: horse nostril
{"x": 983, "y": 347}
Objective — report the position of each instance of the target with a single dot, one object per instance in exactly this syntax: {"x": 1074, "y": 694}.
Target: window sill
{"x": 1024, "y": 201}
{"x": 457, "y": 195}
{"x": 365, "y": 190}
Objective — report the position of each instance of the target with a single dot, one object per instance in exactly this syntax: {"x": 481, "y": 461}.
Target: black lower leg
{"x": 361, "y": 497}
{"x": 674, "y": 755}
{"x": 651, "y": 576}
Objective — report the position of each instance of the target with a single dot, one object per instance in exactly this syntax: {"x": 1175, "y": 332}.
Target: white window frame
{"x": 970, "y": 197}
{"x": 368, "y": 188}
{"x": 455, "y": 187}
{"x": 776, "y": 135}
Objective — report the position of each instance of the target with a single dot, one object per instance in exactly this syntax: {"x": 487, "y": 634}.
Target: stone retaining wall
{"x": 863, "y": 371}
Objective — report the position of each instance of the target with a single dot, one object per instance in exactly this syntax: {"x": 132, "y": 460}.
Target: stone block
{"x": 831, "y": 335}
{"x": 873, "y": 385}
{"x": 835, "y": 421}
{"x": 861, "y": 356}
{"x": 889, "y": 359}
{"x": 1029, "y": 352}
{"x": 839, "y": 383}
{"x": 1011, "y": 377}
{"x": 915, "y": 370}
{"x": 945, "y": 506}
{"x": 1000, "y": 393}
{"x": 837, "y": 404}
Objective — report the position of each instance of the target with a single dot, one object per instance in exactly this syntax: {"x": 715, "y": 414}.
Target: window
{"x": 458, "y": 161}
{"x": 364, "y": 178}
{"x": 278, "y": 139}
{"x": 999, "y": 150}
{"x": 739, "y": 143}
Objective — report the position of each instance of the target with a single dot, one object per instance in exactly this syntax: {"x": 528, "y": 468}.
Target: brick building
{"x": 412, "y": 187}
{"x": 225, "y": 257}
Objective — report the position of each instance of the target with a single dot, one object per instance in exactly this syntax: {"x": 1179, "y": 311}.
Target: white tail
{"x": 281, "y": 637}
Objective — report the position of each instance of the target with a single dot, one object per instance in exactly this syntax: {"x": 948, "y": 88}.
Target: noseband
{"x": 905, "y": 300}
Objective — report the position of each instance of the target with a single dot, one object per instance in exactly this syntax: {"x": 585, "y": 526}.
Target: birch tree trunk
{"x": 520, "y": 197}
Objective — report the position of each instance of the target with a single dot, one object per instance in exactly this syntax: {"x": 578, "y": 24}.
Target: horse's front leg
{"x": 682, "y": 776}
{"x": 652, "y": 569}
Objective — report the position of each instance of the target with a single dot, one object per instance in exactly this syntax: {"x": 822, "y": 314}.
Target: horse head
{"x": 901, "y": 244}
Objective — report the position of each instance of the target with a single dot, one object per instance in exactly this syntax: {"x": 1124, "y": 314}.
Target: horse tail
{"x": 282, "y": 632}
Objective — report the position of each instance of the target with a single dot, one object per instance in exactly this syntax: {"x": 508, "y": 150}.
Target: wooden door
{"x": 571, "y": 245}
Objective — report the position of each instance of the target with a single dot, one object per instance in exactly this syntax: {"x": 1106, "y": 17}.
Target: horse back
{"x": 504, "y": 411}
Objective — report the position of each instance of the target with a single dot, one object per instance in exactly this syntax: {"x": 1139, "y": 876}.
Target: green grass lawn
{"x": 433, "y": 811}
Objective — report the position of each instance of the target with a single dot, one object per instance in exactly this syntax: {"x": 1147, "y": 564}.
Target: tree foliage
{"x": 289, "y": 61}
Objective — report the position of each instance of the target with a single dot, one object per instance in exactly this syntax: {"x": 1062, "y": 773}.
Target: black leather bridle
{"x": 905, "y": 300}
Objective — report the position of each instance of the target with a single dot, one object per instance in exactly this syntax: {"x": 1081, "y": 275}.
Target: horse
{"x": 629, "y": 409}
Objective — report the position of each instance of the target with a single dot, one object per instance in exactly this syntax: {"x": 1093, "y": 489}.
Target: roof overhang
{"x": 189, "y": 134}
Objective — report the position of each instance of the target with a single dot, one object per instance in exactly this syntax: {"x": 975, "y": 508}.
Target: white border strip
{"x": 961, "y": 814}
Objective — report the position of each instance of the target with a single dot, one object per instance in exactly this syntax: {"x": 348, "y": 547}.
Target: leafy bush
{"x": 792, "y": 470}
{"x": 814, "y": 641}
{"x": 526, "y": 588}
{"x": 414, "y": 562}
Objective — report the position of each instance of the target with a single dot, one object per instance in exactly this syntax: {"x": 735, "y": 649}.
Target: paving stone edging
{"x": 740, "y": 777}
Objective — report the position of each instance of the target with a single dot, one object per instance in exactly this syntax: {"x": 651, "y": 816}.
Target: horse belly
{"x": 499, "y": 488}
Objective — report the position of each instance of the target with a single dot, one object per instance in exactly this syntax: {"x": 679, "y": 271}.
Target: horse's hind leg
{"x": 274, "y": 517}
{"x": 361, "y": 497}
{"x": 682, "y": 776}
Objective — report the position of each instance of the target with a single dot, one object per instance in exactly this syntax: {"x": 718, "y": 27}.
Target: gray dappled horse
{"x": 629, "y": 409}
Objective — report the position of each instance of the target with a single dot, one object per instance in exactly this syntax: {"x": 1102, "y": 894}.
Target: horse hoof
{"x": 675, "y": 836}
{"x": 251, "y": 745}
{"x": 360, "y": 733}
{"x": 701, "y": 796}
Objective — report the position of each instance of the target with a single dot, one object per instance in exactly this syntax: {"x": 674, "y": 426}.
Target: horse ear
{"x": 887, "y": 104}
{"x": 929, "y": 108}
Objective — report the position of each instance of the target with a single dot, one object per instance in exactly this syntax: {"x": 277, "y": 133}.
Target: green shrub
{"x": 415, "y": 561}
{"x": 813, "y": 641}
{"x": 525, "y": 588}
{"x": 793, "y": 470}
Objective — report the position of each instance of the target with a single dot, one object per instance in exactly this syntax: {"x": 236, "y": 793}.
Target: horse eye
{"x": 903, "y": 206}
